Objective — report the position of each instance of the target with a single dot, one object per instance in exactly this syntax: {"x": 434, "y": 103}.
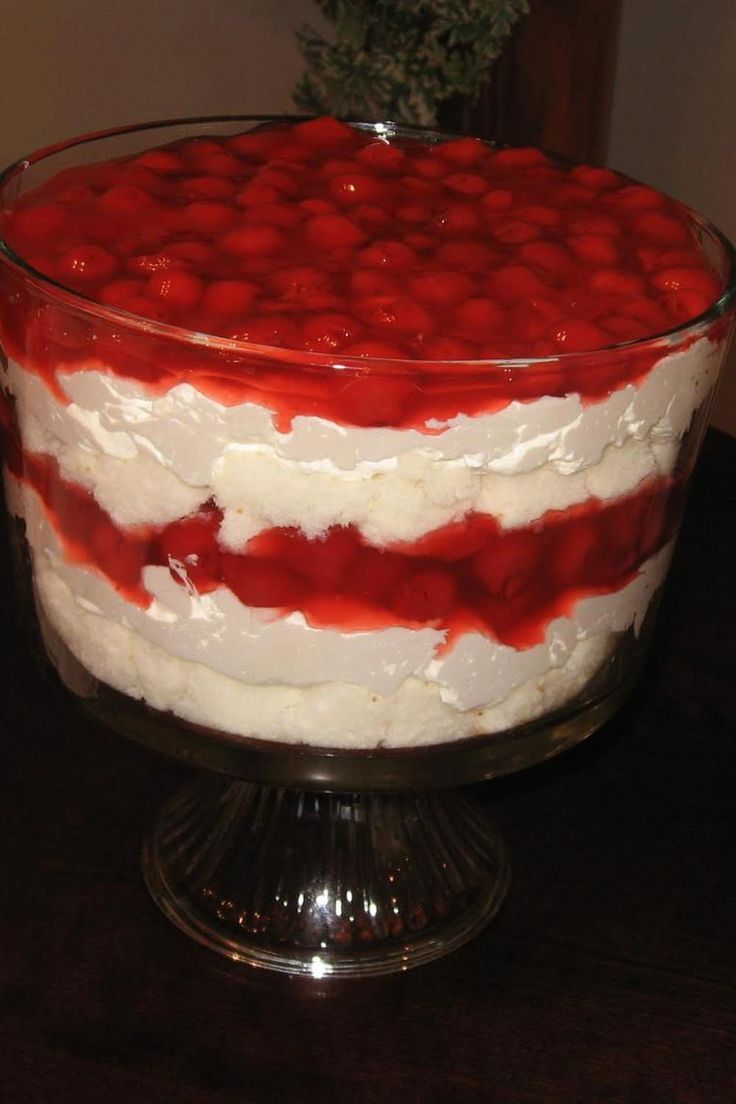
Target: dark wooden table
{"x": 610, "y": 974}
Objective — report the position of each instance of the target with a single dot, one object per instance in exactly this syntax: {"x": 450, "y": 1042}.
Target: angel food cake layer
{"x": 318, "y": 445}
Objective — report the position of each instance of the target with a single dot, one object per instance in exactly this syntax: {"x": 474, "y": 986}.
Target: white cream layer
{"x": 149, "y": 459}
{"x": 258, "y": 661}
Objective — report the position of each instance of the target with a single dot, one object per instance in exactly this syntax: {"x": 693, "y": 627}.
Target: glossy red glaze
{"x": 423, "y": 251}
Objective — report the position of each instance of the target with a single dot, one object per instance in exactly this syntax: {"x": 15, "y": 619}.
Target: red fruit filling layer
{"x": 320, "y": 238}
{"x": 465, "y": 577}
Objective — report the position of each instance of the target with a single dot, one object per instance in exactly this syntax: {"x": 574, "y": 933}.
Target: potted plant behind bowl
{"x": 531, "y": 73}
{"x": 405, "y": 60}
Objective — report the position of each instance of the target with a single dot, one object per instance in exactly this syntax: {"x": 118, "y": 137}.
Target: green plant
{"x": 402, "y": 59}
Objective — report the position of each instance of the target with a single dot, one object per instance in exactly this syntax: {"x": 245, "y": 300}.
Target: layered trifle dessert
{"x": 342, "y": 436}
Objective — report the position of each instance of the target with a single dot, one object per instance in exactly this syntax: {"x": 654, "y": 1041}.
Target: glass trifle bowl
{"x": 345, "y": 462}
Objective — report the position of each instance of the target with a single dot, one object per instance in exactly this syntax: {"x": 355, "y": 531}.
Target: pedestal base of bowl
{"x": 341, "y": 885}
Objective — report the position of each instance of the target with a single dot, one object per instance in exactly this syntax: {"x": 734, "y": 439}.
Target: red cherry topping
{"x": 395, "y": 249}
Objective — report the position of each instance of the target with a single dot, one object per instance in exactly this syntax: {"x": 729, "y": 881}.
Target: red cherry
{"x": 593, "y": 177}
{"x": 429, "y": 167}
{"x": 468, "y": 184}
{"x": 325, "y": 132}
{"x": 594, "y": 248}
{"x": 117, "y": 291}
{"x": 509, "y": 565}
{"x": 223, "y": 297}
{"x": 372, "y": 348}
{"x": 376, "y": 576}
{"x": 662, "y": 228}
{"x": 519, "y": 157}
{"x": 365, "y": 282}
{"x": 422, "y": 243}
{"x": 540, "y": 215}
{"x": 449, "y": 348}
{"x": 326, "y": 562}
{"x": 648, "y": 311}
{"x": 209, "y": 187}
{"x": 576, "y": 335}
{"x": 316, "y": 206}
{"x": 222, "y": 164}
{"x": 690, "y": 279}
{"x": 373, "y": 400}
{"x": 328, "y": 231}
{"x": 467, "y": 256}
{"x": 148, "y": 263}
{"x": 192, "y": 546}
{"x": 124, "y": 199}
{"x": 426, "y": 596}
{"x": 499, "y": 199}
{"x": 515, "y": 282}
{"x": 254, "y": 194}
{"x": 395, "y": 313}
{"x": 370, "y": 215}
{"x": 441, "y": 288}
{"x": 387, "y": 255}
{"x": 336, "y": 166}
{"x": 382, "y": 157}
{"x": 273, "y": 329}
{"x": 687, "y": 258}
{"x": 325, "y": 333}
{"x": 253, "y": 241}
{"x": 461, "y": 151}
{"x": 145, "y": 308}
{"x": 198, "y": 150}
{"x": 193, "y": 252}
{"x": 413, "y": 213}
{"x": 261, "y": 582}
{"x": 635, "y": 197}
{"x": 161, "y": 161}
{"x": 86, "y": 264}
{"x": 550, "y": 256}
{"x": 456, "y": 220}
{"x": 685, "y": 305}
{"x": 178, "y": 289}
{"x": 256, "y": 143}
{"x": 116, "y": 556}
{"x": 285, "y": 183}
{"x": 208, "y": 217}
{"x": 478, "y": 318}
{"x": 275, "y": 214}
{"x": 514, "y": 231}
{"x": 573, "y": 553}
{"x": 296, "y": 281}
{"x": 353, "y": 188}
{"x": 613, "y": 281}
{"x": 623, "y": 327}
{"x": 592, "y": 222}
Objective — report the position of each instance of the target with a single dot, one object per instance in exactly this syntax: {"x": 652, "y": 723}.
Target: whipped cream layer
{"x": 150, "y": 458}
{"x": 214, "y": 661}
